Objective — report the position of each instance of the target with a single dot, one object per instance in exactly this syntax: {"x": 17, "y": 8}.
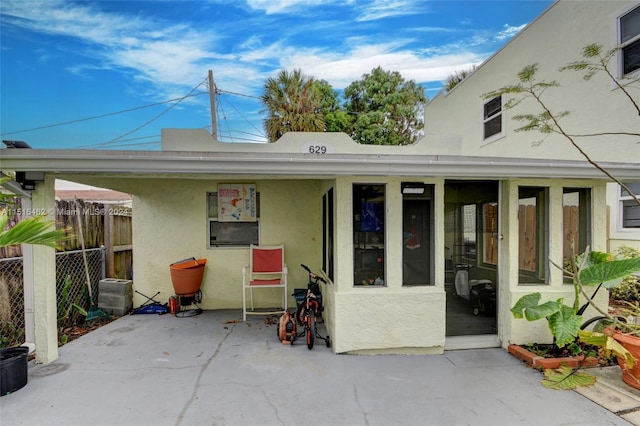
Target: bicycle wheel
{"x": 311, "y": 328}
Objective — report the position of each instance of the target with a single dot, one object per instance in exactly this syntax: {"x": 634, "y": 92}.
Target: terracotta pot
{"x": 186, "y": 276}
{"x": 630, "y": 376}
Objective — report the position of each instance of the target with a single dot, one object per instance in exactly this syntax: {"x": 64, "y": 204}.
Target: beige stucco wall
{"x": 552, "y": 41}
{"x": 170, "y": 224}
{"x": 392, "y": 318}
{"x": 511, "y": 289}
{"x": 301, "y": 142}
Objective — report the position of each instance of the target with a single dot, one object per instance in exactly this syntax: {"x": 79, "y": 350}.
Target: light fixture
{"x": 27, "y": 180}
{"x": 415, "y": 188}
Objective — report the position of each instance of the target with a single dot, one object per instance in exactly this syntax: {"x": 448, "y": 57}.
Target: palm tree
{"x": 33, "y": 230}
{"x": 294, "y": 104}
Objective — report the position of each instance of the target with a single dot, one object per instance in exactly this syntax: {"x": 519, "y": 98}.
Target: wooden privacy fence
{"x": 528, "y": 234}
{"x": 102, "y": 225}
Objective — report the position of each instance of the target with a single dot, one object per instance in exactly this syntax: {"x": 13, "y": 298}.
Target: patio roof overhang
{"x": 167, "y": 163}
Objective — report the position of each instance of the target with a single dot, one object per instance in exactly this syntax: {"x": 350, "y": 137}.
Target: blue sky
{"x": 69, "y": 61}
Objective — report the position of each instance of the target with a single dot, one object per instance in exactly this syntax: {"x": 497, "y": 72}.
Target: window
{"x": 493, "y": 117}
{"x": 532, "y": 232}
{"x": 368, "y": 235}
{"x": 629, "y": 208}
{"x": 230, "y": 234}
{"x": 576, "y": 224}
{"x": 327, "y": 233}
{"x": 417, "y": 231}
{"x": 629, "y": 33}
{"x": 490, "y": 233}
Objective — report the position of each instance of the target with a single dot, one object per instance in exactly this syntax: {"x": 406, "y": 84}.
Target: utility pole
{"x": 212, "y": 98}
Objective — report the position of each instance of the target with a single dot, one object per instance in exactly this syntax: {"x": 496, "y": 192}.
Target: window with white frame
{"x": 629, "y": 208}
{"x": 629, "y": 41}
{"x": 492, "y": 117}
{"x": 230, "y": 234}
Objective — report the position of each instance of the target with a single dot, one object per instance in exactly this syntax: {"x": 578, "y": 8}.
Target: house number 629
{"x": 318, "y": 149}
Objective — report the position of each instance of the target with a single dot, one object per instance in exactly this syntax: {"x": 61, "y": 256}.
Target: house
{"x": 106, "y": 197}
{"x": 552, "y": 41}
{"x": 410, "y": 238}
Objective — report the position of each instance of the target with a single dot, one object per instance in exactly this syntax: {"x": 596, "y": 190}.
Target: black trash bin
{"x": 13, "y": 369}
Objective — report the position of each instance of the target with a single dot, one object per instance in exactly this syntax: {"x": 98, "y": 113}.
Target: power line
{"x": 139, "y": 143}
{"x": 100, "y": 116}
{"x": 154, "y": 118}
{"x": 176, "y": 101}
{"x": 96, "y": 145}
{"x": 224, "y": 115}
{"x": 250, "y": 134}
{"x": 238, "y": 139}
{"x": 245, "y": 118}
{"x": 238, "y": 94}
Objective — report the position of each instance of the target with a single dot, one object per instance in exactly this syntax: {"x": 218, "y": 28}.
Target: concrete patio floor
{"x": 212, "y": 370}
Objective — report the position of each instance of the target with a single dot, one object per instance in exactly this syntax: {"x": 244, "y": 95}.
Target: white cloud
{"x": 169, "y": 57}
{"x": 509, "y": 31}
{"x": 380, "y": 9}
{"x": 340, "y": 70}
{"x": 282, "y": 6}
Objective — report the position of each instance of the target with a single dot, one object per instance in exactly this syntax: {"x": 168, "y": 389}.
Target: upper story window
{"x": 629, "y": 41}
{"x": 629, "y": 208}
{"x": 492, "y": 117}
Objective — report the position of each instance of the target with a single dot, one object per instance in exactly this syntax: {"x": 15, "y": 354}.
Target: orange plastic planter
{"x": 630, "y": 376}
{"x": 186, "y": 277}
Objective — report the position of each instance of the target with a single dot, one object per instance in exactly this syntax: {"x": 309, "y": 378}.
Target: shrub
{"x": 629, "y": 288}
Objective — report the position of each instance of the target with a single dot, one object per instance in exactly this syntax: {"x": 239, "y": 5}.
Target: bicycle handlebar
{"x": 312, "y": 275}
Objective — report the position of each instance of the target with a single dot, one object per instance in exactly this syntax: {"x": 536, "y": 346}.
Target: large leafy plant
{"x": 565, "y": 321}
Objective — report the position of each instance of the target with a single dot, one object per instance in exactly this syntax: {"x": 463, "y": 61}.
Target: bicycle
{"x": 309, "y": 308}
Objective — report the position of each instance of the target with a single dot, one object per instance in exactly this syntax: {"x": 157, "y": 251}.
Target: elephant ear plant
{"x": 590, "y": 269}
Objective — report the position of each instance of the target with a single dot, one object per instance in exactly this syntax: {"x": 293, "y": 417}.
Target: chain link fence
{"x": 11, "y": 302}
{"x": 71, "y": 291}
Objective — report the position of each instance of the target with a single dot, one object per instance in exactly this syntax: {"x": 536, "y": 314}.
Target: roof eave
{"x": 287, "y": 164}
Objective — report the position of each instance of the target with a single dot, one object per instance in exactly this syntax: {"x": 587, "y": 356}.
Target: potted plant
{"x": 566, "y": 322}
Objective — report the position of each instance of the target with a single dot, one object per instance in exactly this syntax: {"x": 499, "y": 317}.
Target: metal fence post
{"x": 103, "y": 271}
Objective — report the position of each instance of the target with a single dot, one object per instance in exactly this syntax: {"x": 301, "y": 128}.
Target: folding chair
{"x": 266, "y": 270}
